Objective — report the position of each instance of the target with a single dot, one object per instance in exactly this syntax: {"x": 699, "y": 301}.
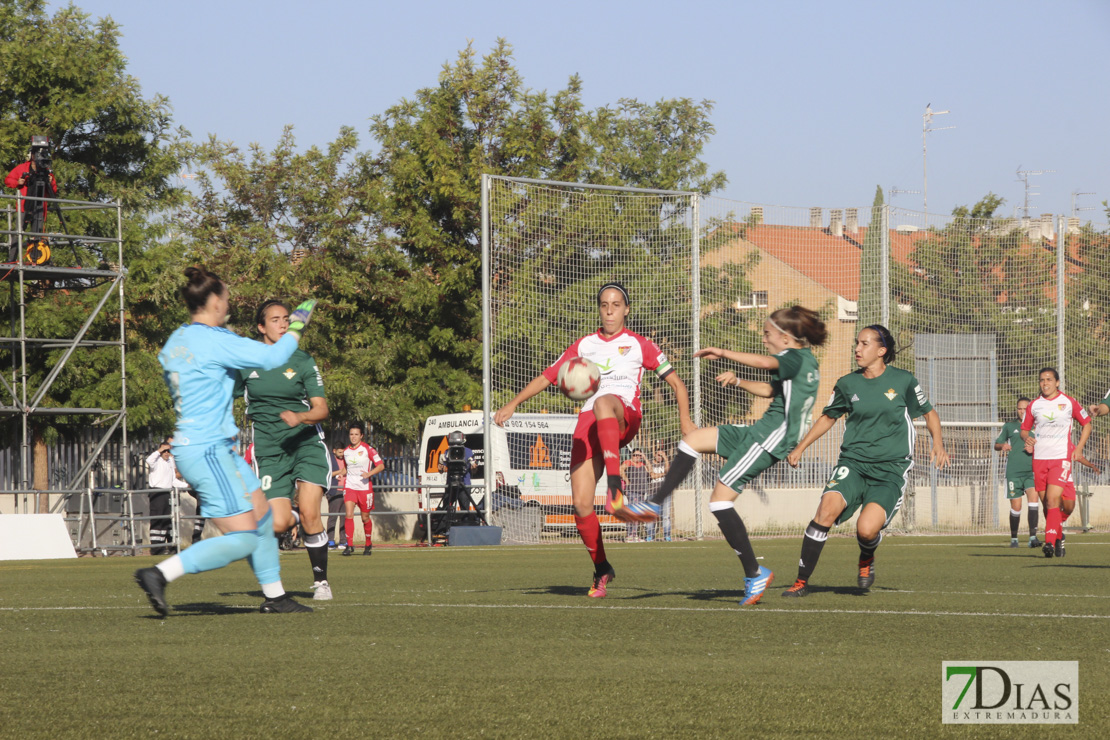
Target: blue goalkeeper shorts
{"x": 222, "y": 479}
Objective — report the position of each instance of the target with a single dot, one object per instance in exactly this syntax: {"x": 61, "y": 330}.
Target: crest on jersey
{"x": 890, "y": 394}
{"x": 290, "y": 373}
{"x": 1061, "y": 406}
{"x": 624, "y": 350}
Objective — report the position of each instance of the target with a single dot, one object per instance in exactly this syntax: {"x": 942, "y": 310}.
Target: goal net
{"x": 974, "y": 304}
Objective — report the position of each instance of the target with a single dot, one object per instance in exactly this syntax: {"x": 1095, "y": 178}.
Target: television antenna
{"x": 894, "y": 190}
{"x": 928, "y": 128}
{"x": 1023, "y": 176}
{"x": 1075, "y": 210}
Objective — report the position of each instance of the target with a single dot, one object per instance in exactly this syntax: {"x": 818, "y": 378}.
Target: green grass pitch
{"x": 503, "y": 642}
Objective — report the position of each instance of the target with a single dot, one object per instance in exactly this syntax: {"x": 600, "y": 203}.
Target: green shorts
{"x": 1019, "y": 484}
{"x": 279, "y": 468}
{"x": 744, "y": 458}
{"x": 859, "y": 483}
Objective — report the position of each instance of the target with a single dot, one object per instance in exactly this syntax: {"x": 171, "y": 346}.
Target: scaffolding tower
{"x": 24, "y": 397}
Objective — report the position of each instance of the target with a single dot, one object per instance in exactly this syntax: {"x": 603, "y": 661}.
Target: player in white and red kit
{"x": 362, "y": 462}
{"x": 1046, "y": 431}
{"x": 609, "y": 419}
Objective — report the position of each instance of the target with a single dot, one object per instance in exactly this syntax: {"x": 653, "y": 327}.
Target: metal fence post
{"x": 695, "y": 300}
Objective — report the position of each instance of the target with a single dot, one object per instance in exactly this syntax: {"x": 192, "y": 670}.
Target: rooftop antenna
{"x": 1075, "y": 210}
{"x": 927, "y": 128}
{"x": 1023, "y": 176}
{"x": 894, "y": 190}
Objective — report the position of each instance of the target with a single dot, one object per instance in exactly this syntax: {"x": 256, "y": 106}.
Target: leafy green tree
{"x": 293, "y": 225}
{"x": 1088, "y": 314}
{"x": 980, "y": 275}
{"x": 482, "y": 119}
{"x": 64, "y": 76}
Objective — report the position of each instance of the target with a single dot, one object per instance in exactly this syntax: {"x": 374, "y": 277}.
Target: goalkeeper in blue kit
{"x": 199, "y": 363}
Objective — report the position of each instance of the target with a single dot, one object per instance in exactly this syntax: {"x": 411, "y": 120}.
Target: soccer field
{"x": 503, "y": 642}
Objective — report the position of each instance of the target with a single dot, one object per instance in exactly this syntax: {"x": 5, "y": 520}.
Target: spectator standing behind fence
{"x": 660, "y": 464}
{"x": 161, "y": 474}
{"x": 363, "y": 462}
{"x": 637, "y": 478}
{"x": 336, "y": 523}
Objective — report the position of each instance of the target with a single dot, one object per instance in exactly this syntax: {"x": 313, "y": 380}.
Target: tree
{"x": 293, "y": 225}
{"x": 64, "y": 76}
{"x": 481, "y": 118}
{"x": 979, "y": 275}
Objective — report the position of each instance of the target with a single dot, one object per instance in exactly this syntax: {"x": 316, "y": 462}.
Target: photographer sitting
{"x": 35, "y": 179}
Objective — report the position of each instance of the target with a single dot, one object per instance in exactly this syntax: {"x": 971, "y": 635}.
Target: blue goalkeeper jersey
{"x": 199, "y": 364}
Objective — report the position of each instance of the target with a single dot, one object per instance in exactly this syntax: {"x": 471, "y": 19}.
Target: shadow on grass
{"x": 207, "y": 608}
{"x": 1028, "y": 553}
{"x": 258, "y": 594}
{"x": 557, "y": 591}
{"x": 1046, "y": 563}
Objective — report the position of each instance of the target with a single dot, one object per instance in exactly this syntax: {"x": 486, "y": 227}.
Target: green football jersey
{"x": 1018, "y": 461}
{"x": 880, "y": 414}
{"x": 285, "y": 388}
{"x": 795, "y": 383}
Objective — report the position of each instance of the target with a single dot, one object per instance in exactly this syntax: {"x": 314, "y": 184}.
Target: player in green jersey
{"x": 1019, "y": 475}
{"x": 788, "y": 334}
{"x": 876, "y": 455}
{"x": 285, "y": 406}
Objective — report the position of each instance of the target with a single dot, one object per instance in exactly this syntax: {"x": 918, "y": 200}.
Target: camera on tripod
{"x": 455, "y": 459}
{"x": 41, "y": 156}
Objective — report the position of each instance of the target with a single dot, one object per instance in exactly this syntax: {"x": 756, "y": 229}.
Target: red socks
{"x": 1053, "y": 525}
{"x": 349, "y": 528}
{"x": 590, "y": 530}
{"x": 609, "y": 435}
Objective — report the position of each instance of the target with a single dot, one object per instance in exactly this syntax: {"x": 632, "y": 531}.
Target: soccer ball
{"x": 578, "y": 378}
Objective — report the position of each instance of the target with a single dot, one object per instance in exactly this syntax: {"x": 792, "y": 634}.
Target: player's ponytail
{"x": 887, "y": 340}
{"x": 803, "y": 324}
{"x": 201, "y": 284}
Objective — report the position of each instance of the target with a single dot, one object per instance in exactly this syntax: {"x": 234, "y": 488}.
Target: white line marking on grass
{"x": 997, "y": 593}
{"x": 1001, "y": 545}
{"x": 731, "y": 610}
{"x": 905, "y": 613}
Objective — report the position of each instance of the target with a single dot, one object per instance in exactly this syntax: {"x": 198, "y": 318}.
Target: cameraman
{"x": 34, "y": 178}
{"x": 467, "y": 455}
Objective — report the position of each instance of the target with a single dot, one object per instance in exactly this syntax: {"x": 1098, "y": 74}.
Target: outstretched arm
{"x": 762, "y": 362}
{"x": 537, "y": 385}
{"x": 754, "y": 387}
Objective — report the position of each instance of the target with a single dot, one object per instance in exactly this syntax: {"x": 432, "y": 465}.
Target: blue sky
{"x": 816, "y": 102}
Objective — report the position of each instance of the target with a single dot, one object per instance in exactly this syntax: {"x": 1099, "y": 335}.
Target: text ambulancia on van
{"x": 529, "y": 461}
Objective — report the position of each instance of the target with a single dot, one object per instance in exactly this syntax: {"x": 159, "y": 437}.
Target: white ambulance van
{"x": 529, "y": 461}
